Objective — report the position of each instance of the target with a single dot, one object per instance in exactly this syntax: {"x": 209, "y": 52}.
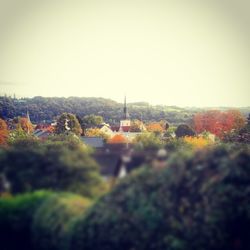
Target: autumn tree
{"x": 137, "y": 126}
{"x": 239, "y": 136}
{"x": 239, "y": 120}
{"x": 218, "y": 122}
{"x": 67, "y": 122}
{"x": 155, "y": 127}
{"x": 119, "y": 138}
{"x": 3, "y": 132}
{"x": 96, "y": 132}
{"x": 25, "y": 125}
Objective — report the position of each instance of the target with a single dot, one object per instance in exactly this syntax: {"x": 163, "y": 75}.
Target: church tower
{"x": 125, "y": 123}
{"x": 125, "y": 110}
{"x": 28, "y": 116}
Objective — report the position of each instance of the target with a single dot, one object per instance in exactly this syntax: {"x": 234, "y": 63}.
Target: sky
{"x": 172, "y": 52}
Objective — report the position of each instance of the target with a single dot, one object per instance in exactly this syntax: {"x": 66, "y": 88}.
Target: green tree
{"x": 63, "y": 165}
{"x": 67, "y": 122}
{"x": 92, "y": 120}
{"x": 16, "y": 215}
{"x": 53, "y": 220}
{"x": 147, "y": 140}
{"x": 18, "y": 134}
{"x": 184, "y": 130}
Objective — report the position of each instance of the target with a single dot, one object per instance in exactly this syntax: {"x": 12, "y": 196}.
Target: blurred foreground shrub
{"x": 60, "y": 164}
{"x": 39, "y": 220}
{"x": 197, "y": 203}
{"x": 53, "y": 221}
{"x": 16, "y": 214}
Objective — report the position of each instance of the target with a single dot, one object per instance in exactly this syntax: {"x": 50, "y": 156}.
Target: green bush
{"x": 52, "y": 222}
{"x": 177, "y": 144}
{"x": 16, "y": 214}
{"x": 197, "y": 203}
{"x": 58, "y": 164}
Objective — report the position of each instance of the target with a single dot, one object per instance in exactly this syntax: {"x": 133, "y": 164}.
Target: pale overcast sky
{"x": 185, "y": 53}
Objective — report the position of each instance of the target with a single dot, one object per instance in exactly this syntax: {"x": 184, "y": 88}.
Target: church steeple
{"x": 125, "y": 110}
{"x": 125, "y": 122}
{"x": 28, "y": 116}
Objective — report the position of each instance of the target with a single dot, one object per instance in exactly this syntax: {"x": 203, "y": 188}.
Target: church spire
{"x": 28, "y": 116}
{"x": 125, "y": 110}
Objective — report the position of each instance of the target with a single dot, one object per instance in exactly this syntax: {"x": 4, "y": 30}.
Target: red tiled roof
{"x": 42, "y": 126}
{"x": 115, "y": 128}
{"x": 118, "y": 128}
{"x": 125, "y": 128}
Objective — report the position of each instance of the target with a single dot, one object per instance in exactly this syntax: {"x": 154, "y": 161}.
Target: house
{"x": 94, "y": 141}
{"x": 106, "y": 129}
{"x": 116, "y": 161}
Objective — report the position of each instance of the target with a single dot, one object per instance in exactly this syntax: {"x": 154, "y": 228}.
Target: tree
{"x": 97, "y": 132}
{"x": 61, "y": 164}
{"x": 25, "y": 125}
{"x": 92, "y": 120}
{"x": 3, "y": 132}
{"x": 39, "y": 220}
{"x": 239, "y": 120}
{"x": 239, "y": 136}
{"x": 155, "y": 127}
{"x": 167, "y": 126}
{"x": 67, "y": 122}
{"x": 17, "y": 135}
{"x": 191, "y": 204}
{"x": 218, "y": 122}
{"x": 147, "y": 141}
{"x": 184, "y": 130}
{"x": 116, "y": 139}
{"x": 136, "y": 126}
{"x": 53, "y": 220}
{"x": 16, "y": 215}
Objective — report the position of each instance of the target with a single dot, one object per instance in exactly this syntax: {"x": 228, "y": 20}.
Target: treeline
{"x": 47, "y": 108}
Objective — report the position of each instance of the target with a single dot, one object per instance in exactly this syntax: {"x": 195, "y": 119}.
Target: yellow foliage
{"x": 155, "y": 127}
{"x": 96, "y": 132}
{"x": 197, "y": 142}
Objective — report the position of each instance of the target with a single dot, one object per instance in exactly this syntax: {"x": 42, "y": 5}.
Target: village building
{"x": 123, "y": 128}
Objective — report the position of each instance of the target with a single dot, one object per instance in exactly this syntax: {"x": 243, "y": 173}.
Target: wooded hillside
{"x": 47, "y": 108}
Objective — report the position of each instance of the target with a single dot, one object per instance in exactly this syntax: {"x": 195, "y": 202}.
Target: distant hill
{"x": 47, "y": 108}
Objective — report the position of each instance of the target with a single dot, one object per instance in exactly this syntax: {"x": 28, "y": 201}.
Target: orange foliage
{"x": 218, "y": 122}
{"x": 3, "y": 132}
{"x": 118, "y": 139}
{"x": 197, "y": 142}
{"x": 155, "y": 127}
